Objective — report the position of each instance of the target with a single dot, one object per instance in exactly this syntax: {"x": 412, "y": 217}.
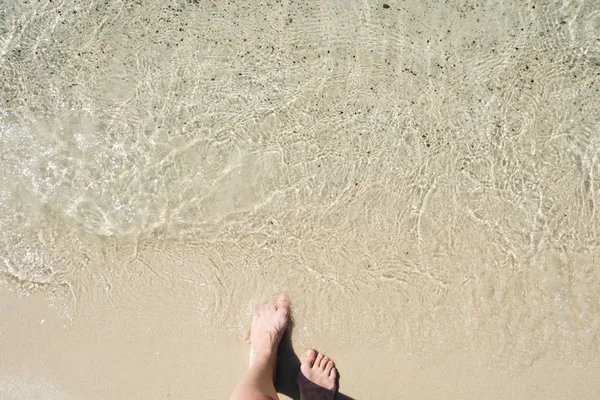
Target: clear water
{"x": 423, "y": 177}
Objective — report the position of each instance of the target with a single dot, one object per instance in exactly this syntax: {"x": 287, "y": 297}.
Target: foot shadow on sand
{"x": 288, "y": 365}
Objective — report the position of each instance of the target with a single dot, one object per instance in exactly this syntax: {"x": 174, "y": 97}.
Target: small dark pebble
{"x": 386, "y": 6}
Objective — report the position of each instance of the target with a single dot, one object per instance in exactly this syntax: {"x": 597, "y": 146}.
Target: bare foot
{"x": 317, "y": 377}
{"x": 268, "y": 325}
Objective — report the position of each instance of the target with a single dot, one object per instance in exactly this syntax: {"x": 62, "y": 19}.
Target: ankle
{"x": 264, "y": 358}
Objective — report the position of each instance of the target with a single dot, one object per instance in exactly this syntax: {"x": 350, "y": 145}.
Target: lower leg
{"x": 257, "y": 384}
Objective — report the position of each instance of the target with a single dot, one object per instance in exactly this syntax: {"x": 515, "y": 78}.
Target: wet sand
{"x": 111, "y": 353}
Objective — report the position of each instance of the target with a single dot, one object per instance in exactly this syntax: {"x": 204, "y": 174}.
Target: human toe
{"x": 309, "y": 357}
{"x": 318, "y": 360}
{"x": 328, "y": 367}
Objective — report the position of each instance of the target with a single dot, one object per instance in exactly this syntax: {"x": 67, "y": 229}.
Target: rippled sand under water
{"x": 421, "y": 179}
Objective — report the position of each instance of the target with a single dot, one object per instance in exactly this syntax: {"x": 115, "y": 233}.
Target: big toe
{"x": 309, "y": 357}
{"x": 281, "y": 301}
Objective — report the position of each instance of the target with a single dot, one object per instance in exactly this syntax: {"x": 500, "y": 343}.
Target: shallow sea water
{"x": 422, "y": 178}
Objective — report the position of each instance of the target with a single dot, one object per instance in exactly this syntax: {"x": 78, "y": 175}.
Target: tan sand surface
{"x": 162, "y": 353}
{"x": 421, "y": 179}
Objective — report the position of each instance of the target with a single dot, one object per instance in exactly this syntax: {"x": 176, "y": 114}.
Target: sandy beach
{"x": 111, "y": 353}
{"x": 421, "y": 179}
